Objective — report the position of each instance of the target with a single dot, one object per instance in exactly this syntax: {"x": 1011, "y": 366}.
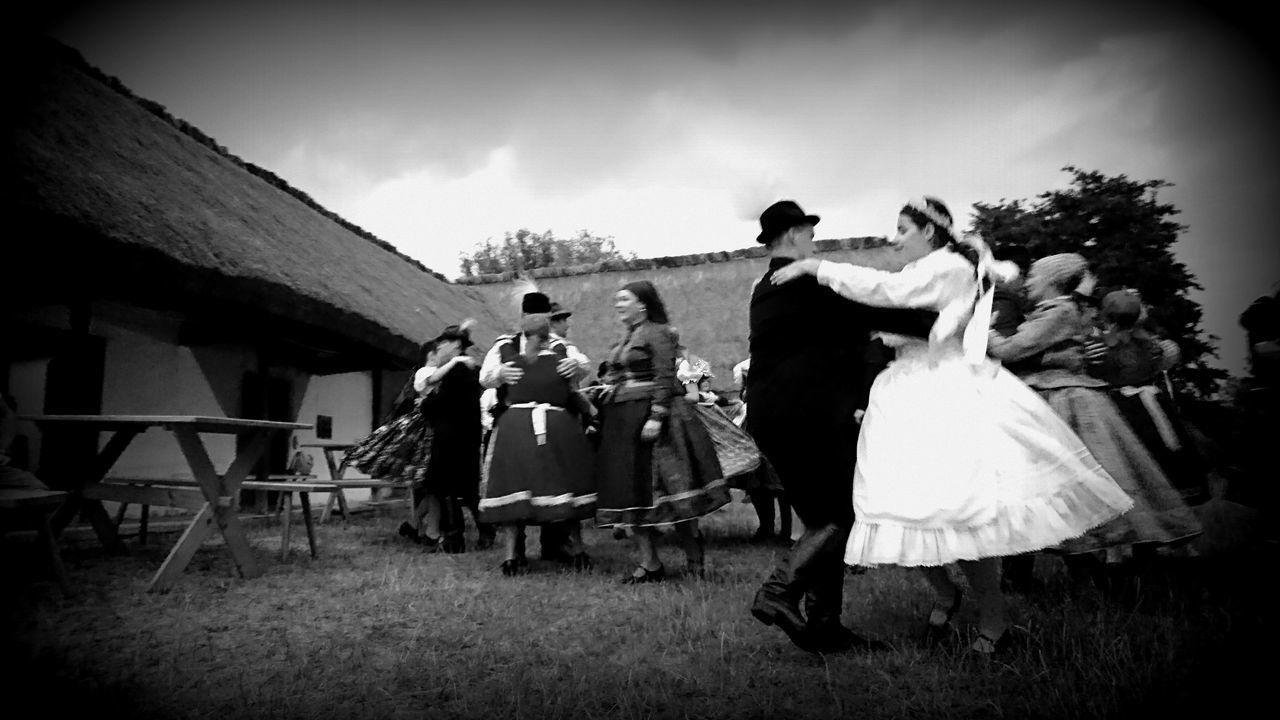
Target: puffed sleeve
{"x": 663, "y": 351}
{"x": 491, "y": 368}
{"x": 925, "y": 285}
{"x": 1041, "y": 331}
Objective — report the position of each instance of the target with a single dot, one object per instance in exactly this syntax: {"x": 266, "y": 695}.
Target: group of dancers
{"x": 1007, "y": 423}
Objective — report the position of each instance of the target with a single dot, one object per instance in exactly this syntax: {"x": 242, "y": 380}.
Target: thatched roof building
{"x": 112, "y": 198}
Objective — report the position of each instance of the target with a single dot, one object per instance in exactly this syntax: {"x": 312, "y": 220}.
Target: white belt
{"x": 1148, "y": 394}
{"x": 539, "y": 418}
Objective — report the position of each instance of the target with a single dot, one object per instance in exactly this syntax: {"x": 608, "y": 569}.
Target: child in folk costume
{"x": 743, "y": 465}
{"x": 1059, "y": 321}
{"x": 958, "y": 461}
{"x": 539, "y": 467}
{"x": 1132, "y": 362}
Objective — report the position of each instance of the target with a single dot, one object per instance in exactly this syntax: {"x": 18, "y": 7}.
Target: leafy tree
{"x": 526, "y": 250}
{"x": 1127, "y": 235}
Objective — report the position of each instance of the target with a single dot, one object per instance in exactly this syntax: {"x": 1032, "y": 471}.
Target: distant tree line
{"x": 525, "y": 250}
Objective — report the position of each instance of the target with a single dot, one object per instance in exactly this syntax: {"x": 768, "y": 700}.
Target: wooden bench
{"x": 176, "y": 492}
{"x": 33, "y": 507}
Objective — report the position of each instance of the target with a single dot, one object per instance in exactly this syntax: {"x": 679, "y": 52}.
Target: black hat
{"x": 558, "y": 311}
{"x": 455, "y": 332}
{"x": 781, "y": 217}
{"x": 535, "y": 302}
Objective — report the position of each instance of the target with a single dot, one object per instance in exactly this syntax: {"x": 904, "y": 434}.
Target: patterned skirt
{"x": 1159, "y": 514}
{"x": 672, "y": 479}
{"x": 538, "y": 469}
{"x": 741, "y": 461}
{"x": 399, "y": 450}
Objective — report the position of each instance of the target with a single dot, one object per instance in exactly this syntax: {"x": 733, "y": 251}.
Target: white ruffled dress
{"x": 958, "y": 459}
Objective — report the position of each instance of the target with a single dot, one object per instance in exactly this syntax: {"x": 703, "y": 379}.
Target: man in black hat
{"x": 553, "y": 538}
{"x": 802, "y": 333}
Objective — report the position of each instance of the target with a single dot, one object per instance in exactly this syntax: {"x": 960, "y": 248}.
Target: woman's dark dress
{"x": 532, "y": 480}
{"x": 454, "y": 413}
{"x": 673, "y": 479}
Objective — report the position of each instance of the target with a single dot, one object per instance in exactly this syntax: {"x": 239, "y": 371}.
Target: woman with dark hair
{"x": 656, "y": 464}
{"x": 539, "y": 469}
{"x": 958, "y": 461}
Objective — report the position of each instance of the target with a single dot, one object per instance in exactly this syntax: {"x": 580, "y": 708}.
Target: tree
{"x": 1127, "y": 236}
{"x": 525, "y": 250}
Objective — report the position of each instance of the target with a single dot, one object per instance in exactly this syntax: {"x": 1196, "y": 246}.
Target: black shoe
{"x": 645, "y": 575}
{"x": 559, "y": 556}
{"x": 937, "y": 633}
{"x": 770, "y": 609}
{"x": 453, "y": 545}
{"x": 986, "y": 646}
{"x": 431, "y": 544}
{"x": 512, "y": 567}
{"x": 408, "y": 531}
{"x": 833, "y": 637}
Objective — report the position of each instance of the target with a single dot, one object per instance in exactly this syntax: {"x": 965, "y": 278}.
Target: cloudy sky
{"x": 671, "y": 125}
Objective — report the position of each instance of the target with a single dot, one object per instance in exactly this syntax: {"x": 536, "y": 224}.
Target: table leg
{"x": 184, "y": 550}
{"x": 55, "y": 556}
{"x": 287, "y": 524}
{"x": 306, "y": 518}
{"x": 220, "y": 491}
{"x": 336, "y": 472}
{"x": 92, "y": 510}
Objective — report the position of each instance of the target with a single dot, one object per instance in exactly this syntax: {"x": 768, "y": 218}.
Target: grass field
{"x": 376, "y": 628}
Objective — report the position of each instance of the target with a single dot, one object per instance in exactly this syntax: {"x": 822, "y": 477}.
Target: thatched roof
{"x": 126, "y": 201}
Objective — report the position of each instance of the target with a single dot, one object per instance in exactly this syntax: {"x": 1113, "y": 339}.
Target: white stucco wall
{"x": 147, "y": 376}
{"x": 347, "y": 398}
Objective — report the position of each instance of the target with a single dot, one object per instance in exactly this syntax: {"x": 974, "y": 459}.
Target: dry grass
{"x": 376, "y": 628}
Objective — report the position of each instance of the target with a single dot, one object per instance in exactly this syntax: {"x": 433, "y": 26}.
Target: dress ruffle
{"x": 1037, "y": 523}
{"x": 961, "y": 462}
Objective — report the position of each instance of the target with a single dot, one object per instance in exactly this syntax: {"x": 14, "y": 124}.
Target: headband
{"x": 935, "y": 217}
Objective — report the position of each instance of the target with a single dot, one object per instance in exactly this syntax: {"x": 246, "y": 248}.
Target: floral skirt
{"x": 741, "y": 461}
{"x": 1159, "y": 515}
{"x": 399, "y": 450}
{"x": 672, "y": 479}
{"x": 526, "y": 480}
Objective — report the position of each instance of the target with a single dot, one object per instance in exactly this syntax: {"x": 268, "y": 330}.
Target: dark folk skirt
{"x": 528, "y": 482}
{"x": 742, "y": 463}
{"x": 399, "y": 450}
{"x": 673, "y": 479}
{"x": 1183, "y": 463}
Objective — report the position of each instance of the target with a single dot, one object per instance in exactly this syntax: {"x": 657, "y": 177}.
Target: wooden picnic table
{"x": 213, "y": 499}
{"x": 337, "y": 470}
{"x": 337, "y": 473}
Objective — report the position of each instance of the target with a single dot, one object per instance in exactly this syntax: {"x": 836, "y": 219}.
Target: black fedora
{"x": 559, "y": 311}
{"x": 455, "y": 332}
{"x": 535, "y": 302}
{"x": 781, "y": 217}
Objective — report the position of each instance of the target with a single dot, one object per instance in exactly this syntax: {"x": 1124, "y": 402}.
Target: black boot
{"x": 823, "y": 602}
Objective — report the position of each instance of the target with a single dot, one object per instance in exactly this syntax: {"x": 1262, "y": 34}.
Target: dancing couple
{"x": 955, "y": 461}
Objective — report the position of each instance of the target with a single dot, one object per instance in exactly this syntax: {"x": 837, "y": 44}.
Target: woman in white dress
{"x": 958, "y": 460}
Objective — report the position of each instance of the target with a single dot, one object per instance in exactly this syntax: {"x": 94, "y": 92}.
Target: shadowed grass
{"x": 377, "y": 628}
